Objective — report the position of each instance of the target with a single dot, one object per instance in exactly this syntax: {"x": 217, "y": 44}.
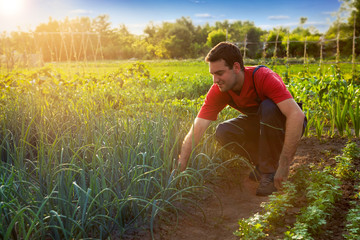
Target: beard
{"x": 224, "y": 87}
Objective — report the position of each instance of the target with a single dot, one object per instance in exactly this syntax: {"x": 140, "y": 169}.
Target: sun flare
{"x": 10, "y": 7}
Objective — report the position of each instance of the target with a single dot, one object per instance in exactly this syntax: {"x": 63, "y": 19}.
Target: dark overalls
{"x": 258, "y": 136}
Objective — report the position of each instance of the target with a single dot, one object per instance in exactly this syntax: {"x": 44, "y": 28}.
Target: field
{"x": 87, "y": 151}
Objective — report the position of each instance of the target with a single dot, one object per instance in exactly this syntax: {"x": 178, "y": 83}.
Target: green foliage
{"x": 355, "y": 116}
{"x": 300, "y": 231}
{"x": 215, "y": 37}
{"x": 344, "y": 167}
{"x": 89, "y": 153}
{"x": 251, "y": 228}
{"x": 352, "y": 229}
{"x": 353, "y": 218}
{"x": 89, "y": 149}
{"x": 322, "y": 191}
{"x": 175, "y": 40}
{"x": 329, "y": 100}
{"x": 351, "y": 150}
{"x": 274, "y": 39}
{"x": 345, "y": 163}
{"x": 261, "y": 224}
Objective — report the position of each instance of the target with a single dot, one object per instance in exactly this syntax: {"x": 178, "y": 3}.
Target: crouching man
{"x": 269, "y": 128}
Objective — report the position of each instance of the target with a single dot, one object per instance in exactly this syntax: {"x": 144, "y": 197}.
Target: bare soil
{"x": 234, "y": 198}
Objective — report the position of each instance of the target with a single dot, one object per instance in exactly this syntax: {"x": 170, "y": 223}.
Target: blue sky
{"x": 136, "y": 14}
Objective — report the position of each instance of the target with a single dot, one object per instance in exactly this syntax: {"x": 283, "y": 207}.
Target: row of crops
{"x": 87, "y": 151}
{"x": 313, "y": 193}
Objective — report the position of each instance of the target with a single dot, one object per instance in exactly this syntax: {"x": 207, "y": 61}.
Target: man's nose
{"x": 215, "y": 79}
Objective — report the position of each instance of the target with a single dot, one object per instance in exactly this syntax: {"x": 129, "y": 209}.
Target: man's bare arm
{"x": 294, "y": 125}
{"x": 191, "y": 140}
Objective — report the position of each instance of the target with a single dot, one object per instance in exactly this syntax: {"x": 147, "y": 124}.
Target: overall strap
{"x": 257, "y": 95}
{"x": 251, "y": 110}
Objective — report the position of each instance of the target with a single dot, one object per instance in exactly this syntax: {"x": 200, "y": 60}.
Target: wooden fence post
{"x": 338, "y": 48}
{"x": 288, "y": 48}
{"x": 321, "y": 49}
{"x": 305, "y": 45}
{"x": 264, "y": 50}
{"x": 275, "y": 49}
{"x": 245, "y": 42}
{"x": 353, "y": 49}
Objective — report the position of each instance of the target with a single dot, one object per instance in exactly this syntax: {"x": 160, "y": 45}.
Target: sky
{"x": 25, "y": 15}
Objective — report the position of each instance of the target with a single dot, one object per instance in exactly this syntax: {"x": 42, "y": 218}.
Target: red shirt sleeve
{"x": 215, "y": 101}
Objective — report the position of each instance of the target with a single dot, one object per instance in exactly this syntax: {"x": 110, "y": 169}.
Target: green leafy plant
{"x": 353, "y": 218}
{"x": 322, "y": 192}
{"x": 261, "y": 224}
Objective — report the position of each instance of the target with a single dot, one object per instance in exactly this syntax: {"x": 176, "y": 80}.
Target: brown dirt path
{"x": 238, "y": 199}
{"x": 221, "y": 219}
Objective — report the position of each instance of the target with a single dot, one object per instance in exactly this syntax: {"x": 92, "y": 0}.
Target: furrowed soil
{"x": 234, "y": 198}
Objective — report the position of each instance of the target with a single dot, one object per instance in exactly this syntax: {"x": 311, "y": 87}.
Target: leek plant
{"x": 87, "y": 155}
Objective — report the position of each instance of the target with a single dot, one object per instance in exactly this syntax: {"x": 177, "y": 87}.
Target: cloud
{"x": 322, "y": 26}
{"x": 81, "y": 12}
{"x": 136, "y": 28}
{"x": 197, "y": 1}
{"x": 279, "y": 17}
{"x": 327, "y": 13}
{"x": 203, "y": 15}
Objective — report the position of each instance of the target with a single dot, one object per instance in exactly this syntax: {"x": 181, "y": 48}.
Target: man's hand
{"x": 281, "y": 176}
{"x": 294, "y": 125}
{"x": 191, "y": 140}
{"x": 181, "y": 164}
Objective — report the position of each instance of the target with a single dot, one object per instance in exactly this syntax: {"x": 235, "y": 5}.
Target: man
{"x": 267, "y": 132}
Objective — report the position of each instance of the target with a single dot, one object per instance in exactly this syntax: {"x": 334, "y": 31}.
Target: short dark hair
{"x": 227, "y": 51}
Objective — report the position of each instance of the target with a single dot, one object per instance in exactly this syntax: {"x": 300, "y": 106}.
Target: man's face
{"x": 223, "y": 76}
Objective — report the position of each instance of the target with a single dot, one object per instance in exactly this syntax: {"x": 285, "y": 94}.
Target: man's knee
{"x": 221, "y": 132}
{"x": 270, "y": 112}
{"x": 232, "y": 130}
{"x": 268, "y": 107}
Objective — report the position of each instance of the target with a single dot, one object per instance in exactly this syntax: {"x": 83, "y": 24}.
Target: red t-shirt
{"x": 268, "y": 85}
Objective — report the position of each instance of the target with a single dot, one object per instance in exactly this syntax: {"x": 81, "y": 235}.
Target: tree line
{"x": 84, "y": 38}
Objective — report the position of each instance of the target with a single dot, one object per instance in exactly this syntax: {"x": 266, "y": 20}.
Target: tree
{"x": 349, "y": 10}
{"x": 354, "y": 19}
{"x": 49, "y": 42}
{"x": 253, "y": 42}
{"x": 215, "y": 37}
{"x": 175, "y": 40}
{"x": 303, "y": 21}
{"x": 238, "y": 30}
{"x": 199, "y": 45}
{"x": 178, "y": 41}
{"x": 51, "y": 26}
{"x": 101, "y": 24}
{"x": 275, "y": 39}
{"x": 179, "y": 38}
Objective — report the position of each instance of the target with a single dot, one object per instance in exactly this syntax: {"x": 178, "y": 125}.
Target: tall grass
{"x": 84, "y": 156}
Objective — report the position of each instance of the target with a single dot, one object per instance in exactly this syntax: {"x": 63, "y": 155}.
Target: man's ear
{"x": 236, "y": 67}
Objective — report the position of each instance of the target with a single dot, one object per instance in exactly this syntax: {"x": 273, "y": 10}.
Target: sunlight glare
{"x": 10, "y": 7}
